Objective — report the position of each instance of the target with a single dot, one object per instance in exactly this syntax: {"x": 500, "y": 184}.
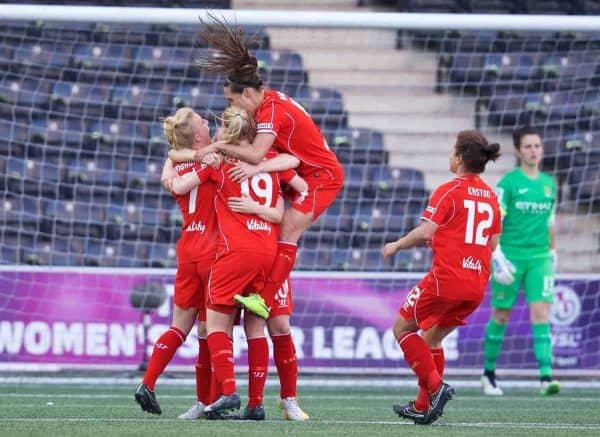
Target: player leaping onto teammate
{"x": 281, "y": 123}
{"x": 462, "y": 224}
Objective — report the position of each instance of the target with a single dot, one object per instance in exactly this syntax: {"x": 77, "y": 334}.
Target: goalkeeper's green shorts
{"x": 537, "y": 277}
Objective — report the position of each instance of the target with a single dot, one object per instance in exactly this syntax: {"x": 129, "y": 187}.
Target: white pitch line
{"x": 506, "y": 398}
{"x": 316, "y": 382}
{"x": 497, "y": 425}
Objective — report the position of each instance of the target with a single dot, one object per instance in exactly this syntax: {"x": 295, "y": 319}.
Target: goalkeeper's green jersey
{"x": 528, "y": 208}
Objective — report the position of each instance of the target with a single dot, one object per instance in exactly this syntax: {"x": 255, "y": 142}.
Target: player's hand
{"x": 389, "y": 250}
{"x": 242, "y": 204}
{"x": 243, "y": 170}
{"x": 213, "y": 159}
{"x": 503, "y": 269}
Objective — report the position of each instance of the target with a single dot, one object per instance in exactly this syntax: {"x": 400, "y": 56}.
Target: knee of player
{"x": 278, "y": 326}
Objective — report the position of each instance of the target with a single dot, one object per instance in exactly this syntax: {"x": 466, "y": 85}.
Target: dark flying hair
{"x": 231, "y": 57}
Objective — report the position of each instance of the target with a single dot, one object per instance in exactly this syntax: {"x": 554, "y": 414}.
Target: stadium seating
{"x": 83, "y": 148}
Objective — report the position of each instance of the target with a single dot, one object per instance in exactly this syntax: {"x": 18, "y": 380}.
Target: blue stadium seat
{"x": 26, "y": 92}
{"x": 81, "y": 98}
{"x": 58, "y": 131}
{"x": 171, "y": 60}
{"x": 20, "y": 212}
{"x": 111, "y": 57}
{"x": 200, "y": 97}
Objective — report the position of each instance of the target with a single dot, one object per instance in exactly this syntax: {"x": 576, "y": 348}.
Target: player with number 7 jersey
{"x": 462, "y": 225}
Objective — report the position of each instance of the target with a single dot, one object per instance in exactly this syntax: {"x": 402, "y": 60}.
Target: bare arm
{"x": 495, "y": 241}
{"x": 243, "y": 170}
{"x": 246, "y": 205}
{"x": 182, "y": 155}
{"x": 168, "y": 173}
{"x": 185, "y": 183}
{"x": 299, "y": 184}
{"x": 252, "y": 153}
{"x": 419, "y": 235}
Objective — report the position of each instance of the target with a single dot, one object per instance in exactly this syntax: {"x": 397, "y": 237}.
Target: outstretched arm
{"x": 418, "y": 236}
{"x": 168, "y": 173}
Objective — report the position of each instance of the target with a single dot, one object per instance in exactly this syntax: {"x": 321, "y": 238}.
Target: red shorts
{"x": 191, "y": 281}
{"x": 237, "y": 273}
{"x": 428, "y": 309}
{"x": 283, "y": 304}
{"x": 322, "y": 192}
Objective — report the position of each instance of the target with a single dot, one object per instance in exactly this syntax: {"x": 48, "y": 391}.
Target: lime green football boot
{"x": 253, "y": 303}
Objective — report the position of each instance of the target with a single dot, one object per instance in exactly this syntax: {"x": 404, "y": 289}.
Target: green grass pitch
{"x": 105, "y": 410}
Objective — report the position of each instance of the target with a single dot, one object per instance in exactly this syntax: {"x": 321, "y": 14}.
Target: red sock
{"x": 203, "y": 372}
{"x": 258, "y": 366}
{"x": 284, "y": 354}
{"x": 418, "y": 356}
{"x": 215, "y": 387}
{"x": 221, "y": 355}
{"x": 283, "y": 265}
{"x": 439, "y": 360}
{"x": 423, "y": 400}
{"x": 164, "y": 349}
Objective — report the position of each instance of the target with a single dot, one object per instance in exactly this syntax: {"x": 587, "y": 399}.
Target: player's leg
{"x": 503, "y": 300}
{"x": 258, "y": 363}
{"x": 203, "y": 373}
{"x": 539, "y": 290}
{"x": 219, "y": 318}
{"x": 164, "y": 350}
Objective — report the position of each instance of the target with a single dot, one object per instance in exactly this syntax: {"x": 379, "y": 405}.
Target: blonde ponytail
{"x": 237, "y": 125}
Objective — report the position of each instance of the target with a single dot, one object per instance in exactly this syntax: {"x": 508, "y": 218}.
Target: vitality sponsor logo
{"x": 196, "y": 227}
{"x": 258, "y": 225}
{"x": 470, "y": 263}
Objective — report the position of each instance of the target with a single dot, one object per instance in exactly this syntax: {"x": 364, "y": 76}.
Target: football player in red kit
{"x": 462, "y": 224}
{"x": 196, "y": 250}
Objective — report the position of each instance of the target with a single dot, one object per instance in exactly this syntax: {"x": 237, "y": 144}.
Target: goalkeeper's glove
{"x": 503, "y": 269}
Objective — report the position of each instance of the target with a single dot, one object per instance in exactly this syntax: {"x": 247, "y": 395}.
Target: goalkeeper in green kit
{"x": 525, "y": 257}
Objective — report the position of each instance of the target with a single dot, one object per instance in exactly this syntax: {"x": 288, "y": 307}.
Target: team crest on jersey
{"x": 547, "y": 191}
{"x": 301, "y": 197}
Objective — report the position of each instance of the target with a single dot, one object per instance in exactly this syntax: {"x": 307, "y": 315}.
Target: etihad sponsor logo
{"x": 480, "y": 192}
{"x": 196, "y": 227}
{"x": 263, "y": 126}
{"x": 258, "y": 225}
{"x": 534, "y": 207}
{"x": 470, "y": 263}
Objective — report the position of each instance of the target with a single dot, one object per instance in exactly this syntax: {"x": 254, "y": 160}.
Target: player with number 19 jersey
{"x": 296, "y": 133}
{"x": 197, "y": 246}
{"x": 247, "y": 243}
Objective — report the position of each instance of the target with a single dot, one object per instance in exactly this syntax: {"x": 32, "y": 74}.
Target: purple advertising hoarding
{"x": 84, "y": 318}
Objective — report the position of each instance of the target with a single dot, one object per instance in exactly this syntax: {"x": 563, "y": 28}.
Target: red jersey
{"x": 296, "y": 133}
{"x": 238, "y": 231}
{"x": 199, "y": 230}
{"x": 467, "y": 214}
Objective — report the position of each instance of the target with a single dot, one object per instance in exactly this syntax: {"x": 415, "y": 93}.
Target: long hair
{"x": 231, "y": 56}
{"x": 179, "y": 129}
{"x": 237, "y": 125}
{"x": 475, "y": 150}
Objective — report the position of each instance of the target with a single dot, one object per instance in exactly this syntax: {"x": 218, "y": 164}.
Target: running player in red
{"x": 247, "y": 248}
{"x": 196, "y": 250}
{"x": 281, "y": 123}
{"x": 462, "y": 224}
